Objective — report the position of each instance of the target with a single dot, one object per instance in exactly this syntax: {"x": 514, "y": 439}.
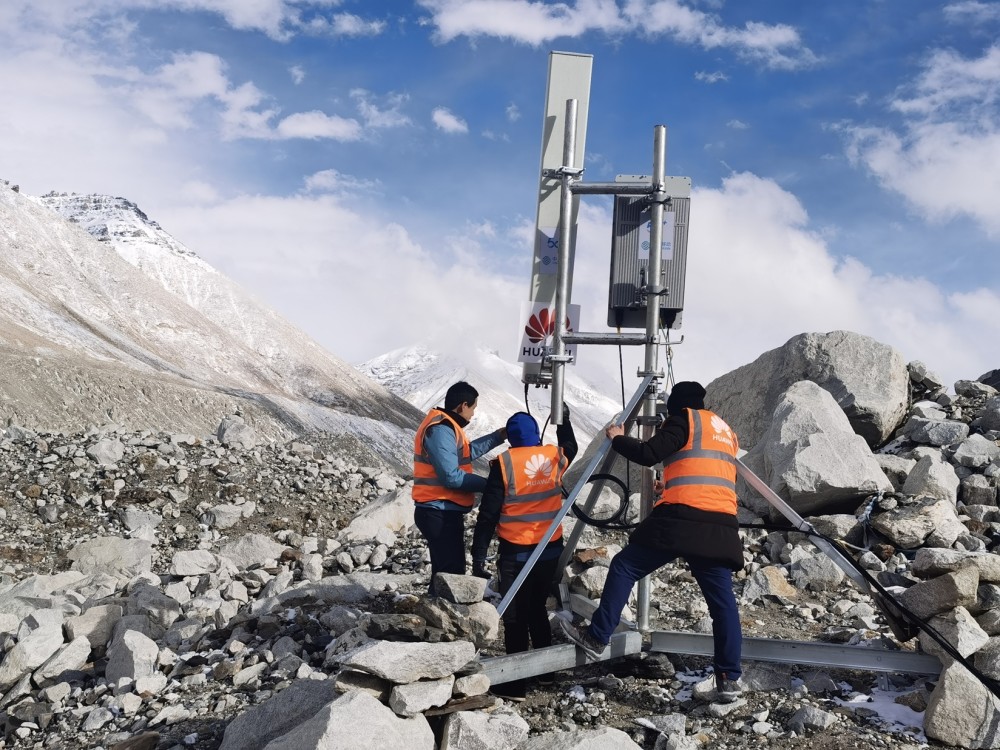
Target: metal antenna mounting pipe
{"x": 562, "y": 264}
{"x": 653, "y": 289}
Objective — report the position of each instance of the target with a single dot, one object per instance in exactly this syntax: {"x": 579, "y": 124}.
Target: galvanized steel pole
{"x": 653, "y": 293}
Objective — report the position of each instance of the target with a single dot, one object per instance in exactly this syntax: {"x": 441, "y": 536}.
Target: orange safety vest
{"x": 702, "y": 474}
{"x": 532, "y": 478}
{"x": 427, "y": 485}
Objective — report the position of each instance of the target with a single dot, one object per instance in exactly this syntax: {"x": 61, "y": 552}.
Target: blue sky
{"x": 369, "y": 167}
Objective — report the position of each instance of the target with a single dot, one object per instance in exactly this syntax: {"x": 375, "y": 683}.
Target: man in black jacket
{"x": 694, "y": 518}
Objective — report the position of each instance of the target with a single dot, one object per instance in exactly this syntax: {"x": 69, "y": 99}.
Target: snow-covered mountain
{"x": 139, "y": 310}
{"x": 421, "y": 376}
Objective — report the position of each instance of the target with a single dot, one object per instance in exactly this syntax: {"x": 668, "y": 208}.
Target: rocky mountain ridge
{"x": 138, "y": 311}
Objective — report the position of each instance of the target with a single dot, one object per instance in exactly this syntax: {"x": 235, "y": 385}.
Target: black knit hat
{"x": 685, "y": 395}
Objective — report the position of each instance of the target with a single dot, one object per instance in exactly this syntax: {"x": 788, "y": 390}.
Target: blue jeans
{"x": 716, "y": 582}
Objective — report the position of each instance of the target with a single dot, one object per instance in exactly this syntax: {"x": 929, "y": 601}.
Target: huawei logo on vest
{"x": 723, "y": 432}
{"x": 538, "y": 467}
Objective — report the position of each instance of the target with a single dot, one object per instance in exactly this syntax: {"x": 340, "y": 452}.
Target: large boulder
{"x": 811, "y": 456}
{"x": 868, "y": 380}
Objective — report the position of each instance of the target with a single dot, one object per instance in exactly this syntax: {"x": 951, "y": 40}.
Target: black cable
{"x": 891, "y": 601}
{"x": 617, "y": 519}
{"x": 527, "y": 407}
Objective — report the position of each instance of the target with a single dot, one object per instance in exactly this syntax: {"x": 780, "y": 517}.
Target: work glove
{"x": 479, "y": 570}
{"x": 565, "y": 413}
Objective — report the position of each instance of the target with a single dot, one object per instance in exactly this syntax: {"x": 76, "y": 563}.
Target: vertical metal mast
{"x": 558, "y": 356}
{"x": 654, "y": 290}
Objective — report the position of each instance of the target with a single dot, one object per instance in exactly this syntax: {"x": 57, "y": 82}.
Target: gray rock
{"x": 957, "y": 627}
{"x": 896, "y": 468}
{"x": 131, "y": 655}
{"x": 768, "y": 581}
{"x": 403, "y": 663}
{"x": 943, "y": 593}
{"x": 933, "y": 477}
{"x": 813, "y": 458}
{"x": 867, "y": 379}
{"x": 988, "y": 418}
{"x": 234, "y": 432}
{"x": 977, "y": 490}
{"x": 477, "y": 730}
{"x": 605, "y": 738}
{"x": 70, "y": 658}
{"x": 987, "y": 658}
{"x": 280, "y": 714}
{"x": 251, "y": 549}
{"x": 817, "y": 573}
{"x": 95, "y": 624}
{"x": 357, "y": 720}
{"x": 974, "y": 389}
{"x": 812, "y": 718}
{"x": 460, "y": 589}
{"x": 122, "y": 558}
{"x": 416, "y": 697}
{"x": 392, "y": 511}
{"x": 935, "y": 431}
{"x": 920, "y": 374}
{"x": 107, "y": 451}
{"x": 910, "y": 526}
{"x": 961, "y": 711}
{"x": 28, "y": 654}
{"x": 976, "y": 451}
{"x": 928, "y": 563}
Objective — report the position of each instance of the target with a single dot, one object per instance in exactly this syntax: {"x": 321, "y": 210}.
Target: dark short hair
{"x": 460, "y": 393}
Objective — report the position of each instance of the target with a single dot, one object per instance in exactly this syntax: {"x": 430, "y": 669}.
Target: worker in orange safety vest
{"x": 444, "y": 484}
{"x": 523, "y": 495}
{"x": 694, "y": 518}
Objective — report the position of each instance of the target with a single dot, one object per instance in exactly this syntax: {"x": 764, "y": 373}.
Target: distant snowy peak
{"x": 421, "y": 376}
{"x": 123, "y": 224}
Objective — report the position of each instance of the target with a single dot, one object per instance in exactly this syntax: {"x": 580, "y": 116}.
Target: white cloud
{"x": 706, "y": 77}
{"x": 279, "y": 19}
{"x": 448, "y": 122}
{"x": 513, "y": 112}
{"x": 332, "y": 181}
{"x": 318, "y": 124}
{"x": 492, "y": 135}
{"x": 972, "y": 12}
{"x": 950, "y": 140}
{"x": 328, "y": 269}
{"x": 737, "y": 125}
{"x": 298, "y": 74}
{"x": 535, "y": 23}
{"x": 347, "y": 24}
{"x": 386, "y": 115}
{"x": 757, "y": 275}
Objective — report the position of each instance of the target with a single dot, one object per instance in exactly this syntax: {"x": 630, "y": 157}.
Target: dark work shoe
{"x": 514, "y": 691}
{"x": 726, "y": 690}
{"x": 582, "y": 638}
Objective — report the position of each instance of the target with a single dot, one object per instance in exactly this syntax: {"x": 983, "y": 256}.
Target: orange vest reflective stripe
{"x": 427, "y": 485}
{"x": 702, "y": 474}
{"x": 532, "y": 478}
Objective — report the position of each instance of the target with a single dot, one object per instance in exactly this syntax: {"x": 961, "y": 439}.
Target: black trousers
{"x": 444, "y": 531}
{"x": 526, "y": 620}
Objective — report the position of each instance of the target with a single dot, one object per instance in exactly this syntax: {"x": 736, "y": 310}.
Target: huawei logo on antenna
{"x": 542, "y": 325}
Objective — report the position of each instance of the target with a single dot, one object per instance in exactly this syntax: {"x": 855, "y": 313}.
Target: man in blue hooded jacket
{"x": 523, "y": 494}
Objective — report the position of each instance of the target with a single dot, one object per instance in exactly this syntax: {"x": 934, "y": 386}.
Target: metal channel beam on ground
{"x": 584, "y": 606}
{"x": 829, "y": 655}
{"x": 502, "y": 669}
